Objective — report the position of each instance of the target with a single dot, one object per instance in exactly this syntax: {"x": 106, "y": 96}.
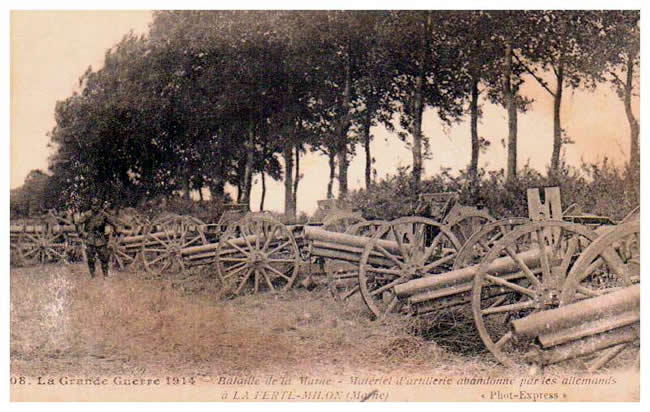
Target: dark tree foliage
{"x": 214, "y": 98}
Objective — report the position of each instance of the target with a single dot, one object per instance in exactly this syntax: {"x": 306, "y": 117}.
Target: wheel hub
{"x": 548, "y": 297}
{"x": 257, "y": 259}
{"x": 412, "y": 270}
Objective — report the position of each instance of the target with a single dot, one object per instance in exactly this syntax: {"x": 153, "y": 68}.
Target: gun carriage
{"x": 542, "y": 289}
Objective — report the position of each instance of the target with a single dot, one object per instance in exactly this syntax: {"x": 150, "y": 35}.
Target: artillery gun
{"x": 443, "y": 208}
{"x": 541, "y": 289}
{"x": 46, "y": 239}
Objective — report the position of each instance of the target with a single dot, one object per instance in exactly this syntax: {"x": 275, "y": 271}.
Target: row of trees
{"x": 210, "y": 98}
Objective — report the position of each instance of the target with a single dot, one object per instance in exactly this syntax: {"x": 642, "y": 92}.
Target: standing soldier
{"x": 94, "y": 224}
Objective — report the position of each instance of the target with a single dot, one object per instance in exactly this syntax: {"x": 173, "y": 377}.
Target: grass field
{"x": 62, "y": 322}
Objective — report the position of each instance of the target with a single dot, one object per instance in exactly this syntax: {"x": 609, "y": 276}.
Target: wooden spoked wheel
{"x": 74, "y": 247}
{"x": 164, "y": 242}
{"x": 126, "y": 244}
{"x": 122, "y": 257}
{"x": 404, "y": 249}
{"x": 523, "y": 273}
{"x": 610, "y": 263}
{"x": 132, "y": 223}
{"x": 466, "y": 222}
{"x": 15, "y": 258}
{"x": 341, "y": 221}
{"x": 480, "y": 243}
{"x": 257, "y": 254}
{"x": 42, "y": 245}
{"x": 64, "y": 223}
{"x": 343, "y": 277}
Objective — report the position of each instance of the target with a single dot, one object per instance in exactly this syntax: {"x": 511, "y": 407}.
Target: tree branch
{"x": 532, "y": 73}
{"x": 617, "y": 79}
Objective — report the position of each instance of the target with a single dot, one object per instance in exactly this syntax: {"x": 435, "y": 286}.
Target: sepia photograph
{"x": 325, "y": 205}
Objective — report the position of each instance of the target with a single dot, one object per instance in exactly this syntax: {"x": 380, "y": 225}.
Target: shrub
{"x": 597, "y": 188}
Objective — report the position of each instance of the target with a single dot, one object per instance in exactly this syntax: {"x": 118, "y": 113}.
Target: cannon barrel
{"x": 211, "y": 248}
{"x": 575, "y": 314}
{"x": 56, "y": 228}
{"x": 343, "y": 240}
{"x": 464, "y": 276}
{"x": 584, "y": 346}
{"x": 588, "y": 329}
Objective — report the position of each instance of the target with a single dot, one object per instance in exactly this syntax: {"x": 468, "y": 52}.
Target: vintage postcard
{"x": 325, "y": 205}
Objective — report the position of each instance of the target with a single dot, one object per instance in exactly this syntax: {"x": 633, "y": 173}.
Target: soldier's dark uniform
{"x": 94, "y": 224}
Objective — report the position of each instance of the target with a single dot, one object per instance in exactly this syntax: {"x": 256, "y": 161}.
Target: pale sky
{"x": 51, "y": 50}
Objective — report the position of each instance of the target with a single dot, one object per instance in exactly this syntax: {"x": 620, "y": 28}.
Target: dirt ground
{"x": 62, "y": 322}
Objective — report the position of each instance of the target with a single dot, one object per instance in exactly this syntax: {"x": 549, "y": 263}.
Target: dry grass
{"x": 61, "y": 321}
{"x": 64, "y": 322}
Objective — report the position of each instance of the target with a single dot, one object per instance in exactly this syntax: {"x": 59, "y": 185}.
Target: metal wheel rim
{"x": 166, "y": 238}
{"x": 411, "y": 261}
{"x": 612, "y": 248}
{"x": 602, "y": 248}
{"x": 343, "y": 277}
{"x": 340, "y": 222}
{"x": 268, "y": 257}
{"x": 480, "y": 279}
{"x": 42, "y": 247}
{"x": 479, "y": 239}
{"x": 456, "y": 227}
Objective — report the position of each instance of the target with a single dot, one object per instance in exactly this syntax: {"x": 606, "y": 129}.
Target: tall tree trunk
{"x": 218, "y": 191}
{"x": 263, "y": 190}
{"x": 332, "y": 165}
{"x": 634, "y": 124}
{"x": 218, "y": 182}
{"x": 241, "y": 172}
{"x": 342, "y": 160}
{"x": 557, "y": 125}
{"x": 186, "y": 188}
{"x": 416, "y": 148}
{"x": 296, "y": 181}
{"x": 473, "y": 163}
{"x": 248, "y": 170}
{"x": 366, "y": 144}
{"x": 418, "y": 108}
{"x": 289, "y": 205}
{"x": 344, "y": 125}
{"x": 511, "y": 107}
